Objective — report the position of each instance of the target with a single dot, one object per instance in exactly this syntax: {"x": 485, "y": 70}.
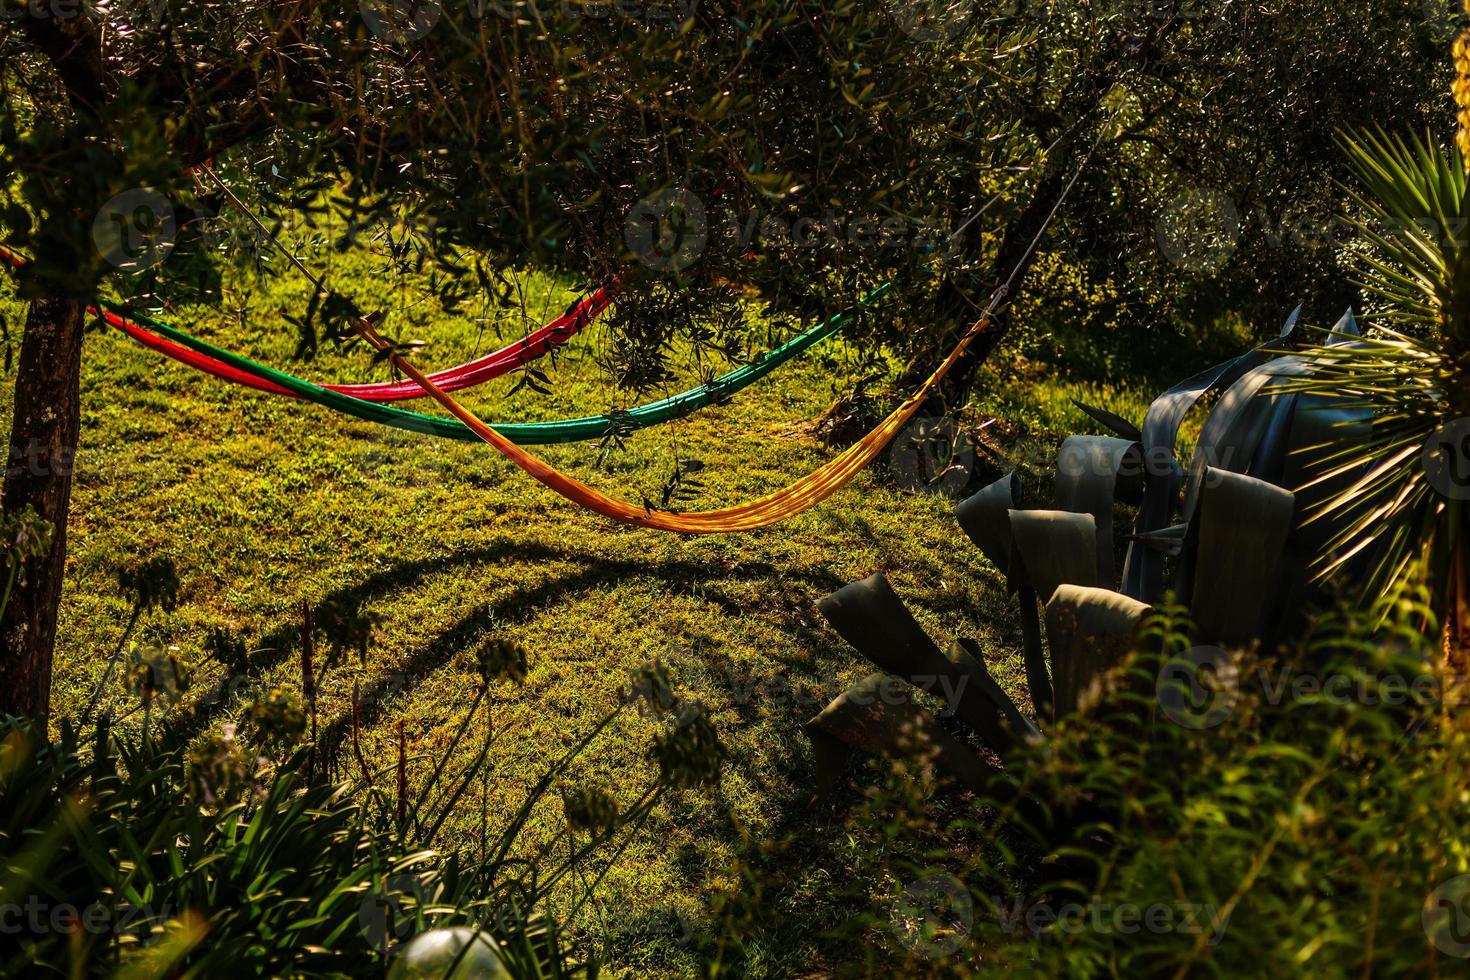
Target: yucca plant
{"x": 165, "y": 852}
{"x": 1404, "y": 494}
{"x": 150, "y": 856}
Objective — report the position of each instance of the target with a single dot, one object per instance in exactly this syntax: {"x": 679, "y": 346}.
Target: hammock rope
{"x": 510, "y": 358}
{"x": 799, "y": 496}
{"x": 765, "y": 511}
{"x": 581, "y": 429}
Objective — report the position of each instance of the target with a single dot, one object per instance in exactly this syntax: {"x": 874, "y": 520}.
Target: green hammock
{"x": 523, "y": 433}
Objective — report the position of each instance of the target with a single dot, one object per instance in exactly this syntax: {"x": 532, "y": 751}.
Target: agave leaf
{"x": 1111, "y": 421}
{"x": 1143, "y": 571}
{"x": 877, "y": 715}
{"x": 1166, "y": 541}
{"x": 1232, "y": 557}
{"x": 1054, "y": 548}
{"x": 985, "y": 519}
{"x": 1093, "y": 472}
{"x": 1007, "y": 728}
{"x": 871, "y": 616}
{"x": 1089, "y": 630}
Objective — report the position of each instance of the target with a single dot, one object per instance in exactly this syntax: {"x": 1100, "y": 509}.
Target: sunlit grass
{"x": 264, "y": 503}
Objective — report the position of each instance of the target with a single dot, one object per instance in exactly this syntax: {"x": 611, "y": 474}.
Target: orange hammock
{"x": 773, "y": 508}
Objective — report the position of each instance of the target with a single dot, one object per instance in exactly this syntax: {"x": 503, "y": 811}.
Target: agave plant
{"x": 1408, "y": 497}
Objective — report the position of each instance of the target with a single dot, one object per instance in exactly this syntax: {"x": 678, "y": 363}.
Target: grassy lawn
{"x": 264, "y": 503}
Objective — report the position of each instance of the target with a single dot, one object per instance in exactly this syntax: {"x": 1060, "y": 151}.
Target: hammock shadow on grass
{"x": 526, "y": 603}
{"x": 282, "y": 644}
{"x": 284, "y": 641}
{"x": 776, "y": 769}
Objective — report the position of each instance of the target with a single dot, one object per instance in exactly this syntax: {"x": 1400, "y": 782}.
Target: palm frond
{"x": 1414, "y": 214}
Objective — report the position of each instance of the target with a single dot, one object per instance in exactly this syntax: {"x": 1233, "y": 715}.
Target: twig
{"x": 308, "y": 683}
{"x": 402, "y": 778}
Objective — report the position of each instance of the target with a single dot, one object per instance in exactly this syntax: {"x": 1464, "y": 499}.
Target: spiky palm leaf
{"x": 1415, "y": 214}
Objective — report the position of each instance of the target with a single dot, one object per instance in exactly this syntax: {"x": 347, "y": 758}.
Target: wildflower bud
{"x": 156, "y": 672}
{"x": 228, "y": 649}
{"x": 690, "y": 754}
{"x": 220, "y": 769}
{"x": 650, "y": 689}
{"x": 153, "y": 585}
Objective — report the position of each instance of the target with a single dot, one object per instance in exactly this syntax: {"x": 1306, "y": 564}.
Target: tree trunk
{"x": 43, "y": 446}
{"x": 1013, "y": 259}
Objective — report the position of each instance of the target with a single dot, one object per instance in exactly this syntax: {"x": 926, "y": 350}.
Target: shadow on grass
{"x": 807, "y": 834}
{"x": 283, "y": 642}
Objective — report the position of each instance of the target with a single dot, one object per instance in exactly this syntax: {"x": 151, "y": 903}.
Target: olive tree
{"x": 695, "y": 152}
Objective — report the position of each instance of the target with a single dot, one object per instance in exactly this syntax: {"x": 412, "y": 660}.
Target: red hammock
{"x": 480, "y": 370}
{"x": 483, "y": 369}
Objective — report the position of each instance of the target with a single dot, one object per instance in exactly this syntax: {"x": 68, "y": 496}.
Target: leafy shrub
{"x": 154, "y": 857}
{"x": 160, "y": 855}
